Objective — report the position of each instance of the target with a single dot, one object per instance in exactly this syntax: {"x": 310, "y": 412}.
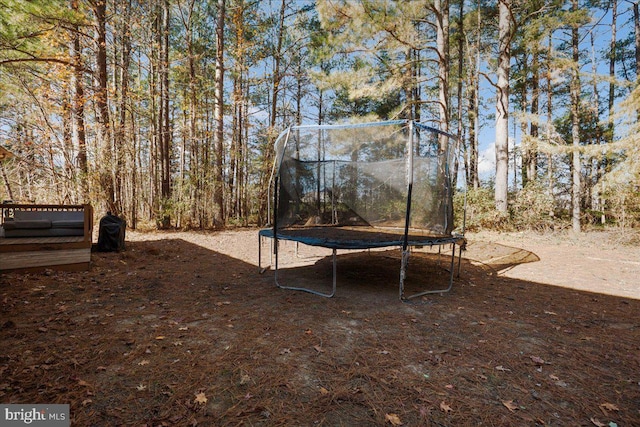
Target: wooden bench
{"x": 36, "y": 237}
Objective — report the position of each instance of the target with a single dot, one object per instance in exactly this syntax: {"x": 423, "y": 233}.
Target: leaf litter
{"x": 379, "y": 357}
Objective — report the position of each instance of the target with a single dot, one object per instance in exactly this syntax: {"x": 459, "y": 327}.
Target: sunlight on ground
{"x": 580, "y": 265}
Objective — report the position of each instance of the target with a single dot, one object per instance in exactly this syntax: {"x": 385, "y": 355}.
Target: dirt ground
{"x": 182, "y": 330}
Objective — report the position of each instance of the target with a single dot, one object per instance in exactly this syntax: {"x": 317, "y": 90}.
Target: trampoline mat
{"x": 358, "y": 237}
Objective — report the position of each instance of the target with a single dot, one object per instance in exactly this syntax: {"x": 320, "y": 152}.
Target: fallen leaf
{"x": 550, "y": 313}
{"x": 160, "y": 337}
{"x": 449, "y": 386}
{"x": 285, "y": 351}
{"x": 143, "y": 362}
{"x": 201, "y": 398}
{"x": 393, "y": 419}
{"x": 510, "y": 405}
{"x": 596, "y": 422}
{"x": 502, "y": 369}
{"x": 537, "y": 360}
{"x": 445, "y": 407}
{"x": 83, "y": 383}
{"x": 318, "y": 349}
{"x": 244, "y": 379}
{"x": 141, "y": 387}
{"x": 554, "y": 378}
{"x": 86, "y": 402}
{"x": 183, "y": 328}
{"x": 324, "y": 391}
{"x": 609, "y": 407}
{"x": 308, "y": 332}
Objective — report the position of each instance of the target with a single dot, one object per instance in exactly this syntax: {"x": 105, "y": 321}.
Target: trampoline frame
{"x": 404, "y": 241}
{"x": 334, "y": 245}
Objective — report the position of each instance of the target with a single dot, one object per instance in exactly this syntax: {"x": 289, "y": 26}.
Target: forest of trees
{"x": 165, "y": 111}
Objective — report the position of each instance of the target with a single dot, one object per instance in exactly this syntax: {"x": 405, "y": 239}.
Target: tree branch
{"x": 47, "y": 60}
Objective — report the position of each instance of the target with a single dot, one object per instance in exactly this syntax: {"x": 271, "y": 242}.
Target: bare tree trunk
{"x": 441, "y": 8}
{"x": 70, "y": 190}
{"x": 122, "y": 145}
{"x": 219, "y": 213}
{"x": 234, "y": 153}
{"x": 78, "y": 113}
{"x": 275, "y": 90}
{"x": 524, "y": 125}
{"x": 604, "y": 166}
{"x": 502, "y": 106}
{"x": 636, "y": 27}
{"x": 417, "y": 94}
{"x": 472, "y": 158}
{"x": 164, "y": 122}
{"x": 612, "y": 68}
{"x": 190, "y": 140}
{"x": 459, "y": 134}
{"x": 476, "y": 107}
{"x": 165, "y": 117}
{"x": 238, "y": 150}
{"x": 531, "y": 170}
{"x": 7, "y": 184}
{"x": 102, "y": 103}
{"x": 473, "y": 106}
{"x": 576, "y": 198}
{"x": 595, "y": 164}
{"x": 78, "y": 110}
{"x": 245, "y": 154}
{"x": 135, "y": 156}
{"x": 276, "y": 69}
{"x": 154, "y": 136}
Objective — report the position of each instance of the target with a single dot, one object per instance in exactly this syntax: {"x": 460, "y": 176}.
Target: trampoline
{"x": 364, "y": 186}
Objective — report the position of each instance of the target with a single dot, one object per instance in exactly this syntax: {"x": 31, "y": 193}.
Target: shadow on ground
{"x": 171, "y": 333}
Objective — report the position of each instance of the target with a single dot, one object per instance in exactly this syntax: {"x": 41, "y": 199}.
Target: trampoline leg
{"x": 260, "y": 269}
{"x": 312, "y": 291}
{"x": 403, "y": 268}
{"x": 403, "y": 271}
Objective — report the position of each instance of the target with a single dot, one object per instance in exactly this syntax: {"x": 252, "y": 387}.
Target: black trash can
{"x": 111, "y": 233}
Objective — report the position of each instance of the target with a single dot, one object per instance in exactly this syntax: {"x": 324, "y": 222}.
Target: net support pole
{"x": 405, "y": 243}
{"x": 407, "y": 222}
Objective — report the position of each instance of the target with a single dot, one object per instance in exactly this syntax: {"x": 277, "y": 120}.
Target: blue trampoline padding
{"x": 357, "y": 237}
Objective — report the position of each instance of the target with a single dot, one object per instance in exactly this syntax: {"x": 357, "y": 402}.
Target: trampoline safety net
{"x": 368, "y": 174}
